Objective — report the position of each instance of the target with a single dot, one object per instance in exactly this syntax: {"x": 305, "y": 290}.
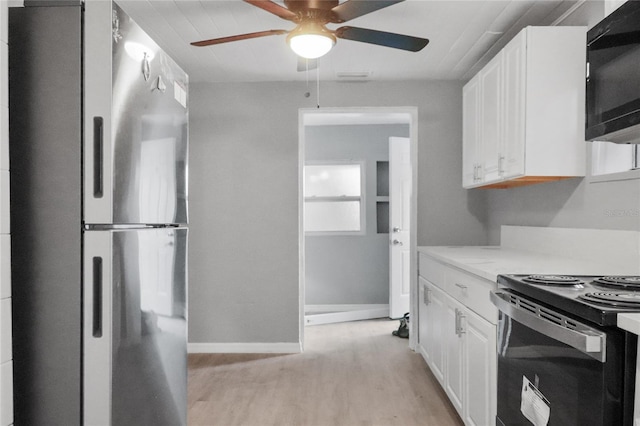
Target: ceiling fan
{"x": 311, "y": 38}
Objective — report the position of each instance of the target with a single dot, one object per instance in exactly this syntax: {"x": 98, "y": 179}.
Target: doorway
{"x": 357, "y": 117}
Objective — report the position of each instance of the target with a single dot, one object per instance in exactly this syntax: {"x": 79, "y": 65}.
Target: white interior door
{"x": 400, "y": 219}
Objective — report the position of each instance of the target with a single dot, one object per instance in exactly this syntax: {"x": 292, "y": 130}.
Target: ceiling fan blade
{"x": 238, "y": 37}
{"x": 352, "y": 9}
{"x": 274, "y": 8}
{"x": 381, "y": 38}
{"x": 305, "y": 64}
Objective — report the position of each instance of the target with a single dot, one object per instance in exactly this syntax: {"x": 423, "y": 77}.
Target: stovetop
{"x": 594, "y": 298}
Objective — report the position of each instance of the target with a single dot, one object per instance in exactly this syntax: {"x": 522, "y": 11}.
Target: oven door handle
{"x": 586, "y": 339}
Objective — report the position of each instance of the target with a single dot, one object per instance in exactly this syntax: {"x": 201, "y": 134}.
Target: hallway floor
{"x": 353, "y": 373}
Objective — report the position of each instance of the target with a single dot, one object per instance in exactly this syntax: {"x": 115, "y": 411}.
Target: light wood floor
{"x": 353, "y": 373}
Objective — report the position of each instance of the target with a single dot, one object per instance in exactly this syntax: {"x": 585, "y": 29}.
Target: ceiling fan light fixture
{"x": 311, "y": 40}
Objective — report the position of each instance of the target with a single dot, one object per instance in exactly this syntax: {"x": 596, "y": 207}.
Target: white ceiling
{"x": 463, "y": 36}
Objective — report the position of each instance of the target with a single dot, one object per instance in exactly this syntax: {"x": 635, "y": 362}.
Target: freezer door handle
{"x": 97, "y": 297}
{"x": 98, "y": 157}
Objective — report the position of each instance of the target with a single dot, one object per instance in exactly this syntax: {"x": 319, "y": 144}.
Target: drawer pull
{"x": 460, "y": 286}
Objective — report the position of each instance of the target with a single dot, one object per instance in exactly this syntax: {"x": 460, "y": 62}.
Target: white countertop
{"x": 542, "y": 250}
{"x": 490, "y": 261}
{"x": 629, "y": 322}
{"x": 530, "y": 250}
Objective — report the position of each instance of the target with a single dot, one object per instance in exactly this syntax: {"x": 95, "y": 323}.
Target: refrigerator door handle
{"x": 98, "y": 157}
{"x": 97, "y": 297}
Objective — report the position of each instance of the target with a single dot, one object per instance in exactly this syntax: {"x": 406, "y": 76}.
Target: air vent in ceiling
{"x": 354, "y": 76}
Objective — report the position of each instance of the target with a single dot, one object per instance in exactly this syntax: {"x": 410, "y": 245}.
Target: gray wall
{"x": 575, "y": 203}
{"x": 352, "y": 269}
{"x": 244, "y": 196}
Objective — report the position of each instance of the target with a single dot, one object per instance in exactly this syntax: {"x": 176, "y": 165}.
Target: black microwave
{"x": 613, "y": 77}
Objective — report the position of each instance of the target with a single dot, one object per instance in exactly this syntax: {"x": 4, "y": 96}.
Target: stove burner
{"x": 554, "y": 280}
{"x": 617, "y": 299}
{"x": 621, "y": 282}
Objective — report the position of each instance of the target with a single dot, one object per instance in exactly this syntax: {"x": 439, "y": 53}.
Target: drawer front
{"x": 473, "y": 292}
{"x": 431, "y": 270}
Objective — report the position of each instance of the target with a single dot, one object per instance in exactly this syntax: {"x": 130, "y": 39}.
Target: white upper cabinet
{"x": 491, "y": 117}
{"x": 512, "y": 148}
{"x": 523, "y": 113}
{"x": 470, "y": 132}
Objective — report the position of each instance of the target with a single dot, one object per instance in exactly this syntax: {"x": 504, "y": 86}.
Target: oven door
{"x": 554, "y": 370}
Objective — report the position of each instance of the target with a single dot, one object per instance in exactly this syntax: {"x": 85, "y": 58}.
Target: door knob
{"x": 396, "y": 229}
{"x": 396, "y": 243}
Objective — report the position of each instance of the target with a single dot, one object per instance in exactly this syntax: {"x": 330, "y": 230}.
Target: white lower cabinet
{"x": 480, "y": 365}
{"x": 458, "y": 344}
{"x": 454, "y": 377}
{"x": 431, "y": 327}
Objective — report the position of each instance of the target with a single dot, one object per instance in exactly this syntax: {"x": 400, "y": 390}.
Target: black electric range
{"x": 560, "y": 355}
{"x": 594, "y": 298}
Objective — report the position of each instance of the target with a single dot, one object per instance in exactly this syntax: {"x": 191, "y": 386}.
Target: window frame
{"x": 361, "y": 198}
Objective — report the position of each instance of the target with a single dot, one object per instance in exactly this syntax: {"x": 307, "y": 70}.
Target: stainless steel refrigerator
{"x": 98, "y": 151}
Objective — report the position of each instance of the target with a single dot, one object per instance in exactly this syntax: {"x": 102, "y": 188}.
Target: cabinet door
{"x": 511, "y": 156}
{"x": 423, "y": 322}
{"x": 480, "y": 364}
{"x": 470, "y": 132}
{"x": 454, "y": 365}
{"x": 491, "y": 117}
{"x": 430, "y": 327}
{"x": 436, "y": 318}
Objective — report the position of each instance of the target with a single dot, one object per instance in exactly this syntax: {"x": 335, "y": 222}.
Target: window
{"x": 333, "y": 198}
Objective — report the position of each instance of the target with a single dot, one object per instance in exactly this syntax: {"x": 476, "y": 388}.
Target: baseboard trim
{"x": 344, "y": 313}
{"x": 343, "y": 307}
{"x": 244, "y": 348}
